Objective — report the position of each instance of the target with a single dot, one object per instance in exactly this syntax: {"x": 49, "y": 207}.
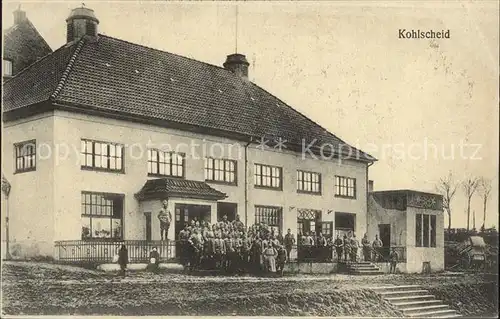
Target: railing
{"x": 104, "y": 251}
{"x": 80, "y": 251}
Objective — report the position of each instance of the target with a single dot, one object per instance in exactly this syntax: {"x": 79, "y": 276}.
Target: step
{"x": 366, "y": 272}
{"x": 411, "y": 298}
{"x": 425, "y": 309}
{"x": 363, "y": 266}
{"x": 432, "y": 313}
{"x": 409, "y": 304}
{"x": 456, "y": 315}
{"x": 392, "y": 288}
{"x": 401, "y": 293}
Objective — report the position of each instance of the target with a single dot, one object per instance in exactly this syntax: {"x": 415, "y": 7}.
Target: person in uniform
{"x": 289, "y": 242}
{"x": 228, "y": 242}
{"x": 354, "y": 248}
{"x": 281, "y": 259}
{"x": 165, "y": 218}
{"x": 321, "y": 241}
{"x": 377, "y": 246}
{"x": 238, "y": 224}
{"x": 393, "y": 259}
{"x": 256, "y": 254}
{"x": 280, "y": 238}
{"x": 270, "y": 255}
{"x": 366, "y": 247}
{"x": 347, "y": 247}
{"x": 183, "y": 244}
{"x": 220, "y": 250}
{"x": 338, "y": 244}
{"x": 245, "y": 250}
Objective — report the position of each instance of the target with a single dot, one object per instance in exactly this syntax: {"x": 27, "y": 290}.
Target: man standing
{"x": 338, "y": 244}
{"x": 354, "y": 248}
{"x": 238, "y": 224}
{"x": 280, "y": 237}
{"x": 165, "y": 218}
{"x": 393, "y": 258}
{"x": 289, "y": 242}
{"x": 366, "y": 247}
{"x": 377, "y": 245}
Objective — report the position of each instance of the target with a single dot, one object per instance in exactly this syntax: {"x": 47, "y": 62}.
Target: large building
{"x": 99, "y": 131}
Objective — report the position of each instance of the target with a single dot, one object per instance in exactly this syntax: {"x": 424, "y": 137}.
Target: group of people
{"x": 232, "y": 247}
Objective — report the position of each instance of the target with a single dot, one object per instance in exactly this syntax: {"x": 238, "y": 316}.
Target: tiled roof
{"x": 116, "y": 76}
{"x": 23, "y": 45}
{"x": 171, "y": 187}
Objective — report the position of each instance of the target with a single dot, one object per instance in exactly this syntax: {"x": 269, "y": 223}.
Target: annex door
{"x": 185, "y": 213}
{"x": 384, "y": 231}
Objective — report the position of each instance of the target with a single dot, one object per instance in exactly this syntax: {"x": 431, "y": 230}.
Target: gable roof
{"x": 117, "y": 77}
{"x": 23, "y": 45}
{"x": 160, "y": 188}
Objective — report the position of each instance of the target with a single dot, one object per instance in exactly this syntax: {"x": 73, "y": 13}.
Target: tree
{"x": 484, "y": 190}
{"x": 469, "y": 186}
{"x": 447, "y": 187}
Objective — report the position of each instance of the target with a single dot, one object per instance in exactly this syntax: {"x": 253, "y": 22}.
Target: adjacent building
{"x": 99, "y": 131}
{"x": 411, "y": 221}
{"x": 23, "y": 45}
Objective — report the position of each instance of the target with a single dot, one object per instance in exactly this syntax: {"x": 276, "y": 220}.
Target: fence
{"x": 79, "y": 251}
{"x": 104, "y": 251}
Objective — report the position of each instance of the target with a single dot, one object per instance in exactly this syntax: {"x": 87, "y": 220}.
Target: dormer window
{"x": 7, "y": 67}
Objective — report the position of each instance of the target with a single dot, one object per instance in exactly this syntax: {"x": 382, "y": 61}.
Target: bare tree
{"x": 484, "y": 190}
{"x": 447, "y": 187}
{"x": 469, "y": 186}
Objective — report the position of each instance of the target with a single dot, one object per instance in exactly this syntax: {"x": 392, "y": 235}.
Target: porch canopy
{"x": 161, "y": 188}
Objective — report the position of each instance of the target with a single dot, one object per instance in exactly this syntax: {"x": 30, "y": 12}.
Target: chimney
{"x": 238, "y": 64}
{"x": 80, "y": 22}
{"x": 370, "y": 186}
{"x": 19, "y": 16}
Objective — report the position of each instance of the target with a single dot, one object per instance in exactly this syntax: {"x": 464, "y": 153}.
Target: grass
{"x": 51, "y": 289}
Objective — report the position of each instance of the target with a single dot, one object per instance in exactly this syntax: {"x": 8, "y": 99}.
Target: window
{"x": 267, "y": 176}
{"x": 102, "y": 215}
{"x": 425, "y": 230}
{"x": 345, "y": 187}
{"x": 327, "y": 229}
{"x": 308, "y": 182}
{"x": 7, "y": 67}
{"x": 102, "y": 156}
{"x": 271, "y": 216}
{"x": 165, "y": 163}
{"x": 220, "y": 170}
{"x": 25, "y": 156}
{"x": 308, "y": 221}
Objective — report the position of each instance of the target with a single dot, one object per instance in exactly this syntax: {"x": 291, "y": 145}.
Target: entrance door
{"x": 185, "y": 213}
{"x": 228, "y": 209}
{"x": 384, "y": 231}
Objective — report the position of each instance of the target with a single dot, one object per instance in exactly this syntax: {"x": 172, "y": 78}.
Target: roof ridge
{"x": 68, "y": 69}
{"x": 163, "y": 51}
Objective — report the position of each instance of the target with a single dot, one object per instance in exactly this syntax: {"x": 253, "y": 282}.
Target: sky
{"x": 422, "y": 107}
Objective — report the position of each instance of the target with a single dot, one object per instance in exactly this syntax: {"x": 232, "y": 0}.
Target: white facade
{"x": 45, "y": 204}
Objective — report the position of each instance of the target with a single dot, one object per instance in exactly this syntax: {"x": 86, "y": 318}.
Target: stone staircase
{"x": 363, "y": 268}
{"x": 416, "y": 302}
